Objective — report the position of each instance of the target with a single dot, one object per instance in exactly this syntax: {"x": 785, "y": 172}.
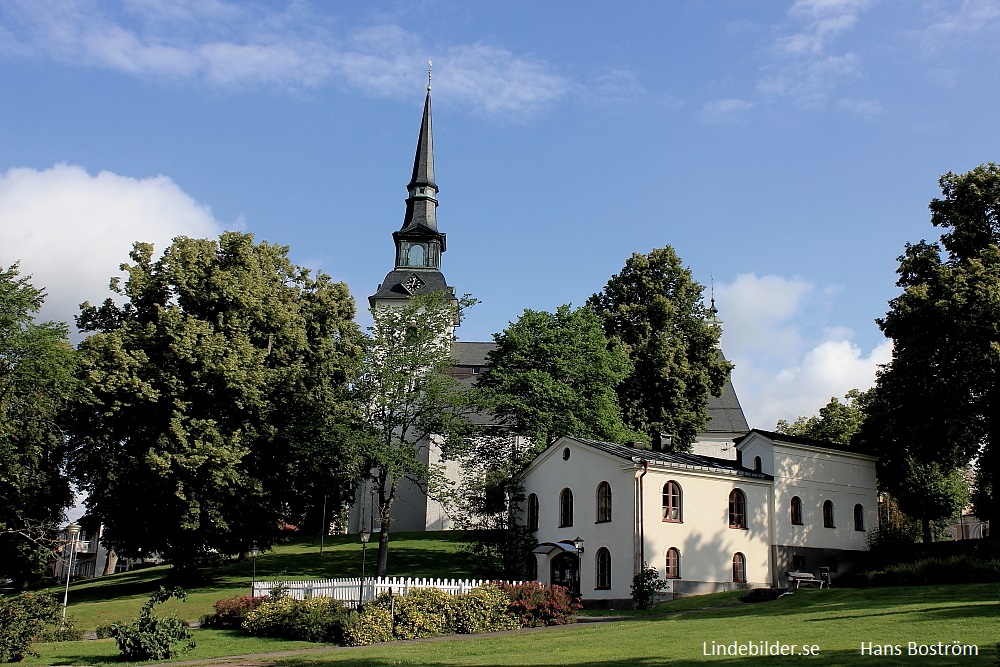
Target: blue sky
{"x": 787, "y": 150}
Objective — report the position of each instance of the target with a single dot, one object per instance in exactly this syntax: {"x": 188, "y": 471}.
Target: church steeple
{"x": 419, "y": 244}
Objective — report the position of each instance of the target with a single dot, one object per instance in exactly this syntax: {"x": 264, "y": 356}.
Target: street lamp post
{"x": 254, "y": 550}
{"x": 578, "y": 545}
{"x": 73, "y": 531}
{"x": 365, "y": 536}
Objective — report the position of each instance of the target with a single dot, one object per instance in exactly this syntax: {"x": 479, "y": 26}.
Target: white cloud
{"x": 71, "y": 230}
{"x": 789, "y": 362}
{"x": 231, "y": 46}
{"x": 725, "y": 112}
{"x": 805, "y": 70}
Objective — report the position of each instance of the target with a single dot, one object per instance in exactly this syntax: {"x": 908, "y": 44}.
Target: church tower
{"x": 418, "y": 242}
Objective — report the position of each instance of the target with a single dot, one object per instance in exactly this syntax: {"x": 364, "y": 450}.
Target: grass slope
{"x": 837, "y": 620}
{"x": 99, "y": 601}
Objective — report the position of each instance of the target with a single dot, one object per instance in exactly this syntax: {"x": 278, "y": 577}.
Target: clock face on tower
{"x": 413, "y": 283}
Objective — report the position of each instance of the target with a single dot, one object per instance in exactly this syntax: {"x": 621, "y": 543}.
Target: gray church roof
{"x": 392, "y": 287}
{"x": 677, "y": 460}
{"x": 725, "y": 414}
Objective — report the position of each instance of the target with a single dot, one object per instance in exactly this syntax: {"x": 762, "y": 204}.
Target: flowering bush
{"x": 536, "y": 604}
{"x": 373, "y": 625}
{"x": 425, "y": 612}
{"x": 230, "y": 613}
{"x": 483, "y": 609}
{"x": 315, "y": 620}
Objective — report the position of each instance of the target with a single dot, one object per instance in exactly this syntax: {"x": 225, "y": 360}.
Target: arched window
{"x": 739, "y": 567}
{"x": 603, "y": 502}
{"x": 565, "y": 508}
{"x": 828, "y": 515}
{"x": 603, "y": 564}
{"x": 532, "y": 512}
{"x": 673, "y": 570}
{"x": 756, "y": 464}
{"x": 737, "y": 509}
{"x": 415, "y": 255}
{"x": 859, "y": 517}
{"x": 796, "y": 511}
{"x": 672, "y": 502}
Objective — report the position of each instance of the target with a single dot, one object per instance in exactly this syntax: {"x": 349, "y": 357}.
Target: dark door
{"x": 565, "y": 569}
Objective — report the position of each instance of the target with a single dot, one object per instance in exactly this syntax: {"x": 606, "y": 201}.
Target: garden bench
{"x": 801, "y": 578}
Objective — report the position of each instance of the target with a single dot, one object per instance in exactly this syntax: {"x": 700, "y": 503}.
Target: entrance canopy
{"x": 549, "y": 548}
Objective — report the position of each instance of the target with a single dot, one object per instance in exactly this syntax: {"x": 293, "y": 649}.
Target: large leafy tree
{"x": 217, "y": 398}
{"x": 410, "y": 403}
{"x": 656, "y": 310}
{"x": 836, "y": 422}
{"x": 936, "y": 405}
{"x": 554, "y": 374}
{"x": 36, "y": 385}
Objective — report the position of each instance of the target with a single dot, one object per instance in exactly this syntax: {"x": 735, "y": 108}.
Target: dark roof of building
{"x": 797, "y": 440}
{"x": 673, "y": 459}
{"x": 423, "y": 160}
{"x": 392, "y": 286}
{"x": 725, "y": 414}
{"x": 471, "y": 353}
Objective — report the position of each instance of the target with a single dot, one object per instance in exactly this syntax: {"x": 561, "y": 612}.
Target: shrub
{"x": 22, "y": 621}
{"x": 373, "y": 625}
{"x": 762, "y": 594}
{"x": 483, "y": 609}
{"x": 152, "y": 637}
{"x": 315, "y": 620}
{"x": 536, "y": 604}
{"x": 61, "y": 633}
{"x": 425, "y": 612}
{"x": 646, "y": 585}
{"x": 231, "y": 612}
{"x": 949, "y": 570}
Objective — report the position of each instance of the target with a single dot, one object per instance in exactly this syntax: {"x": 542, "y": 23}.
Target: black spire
{"x": 421, "y": 205}
{"x": 418, "y": 242}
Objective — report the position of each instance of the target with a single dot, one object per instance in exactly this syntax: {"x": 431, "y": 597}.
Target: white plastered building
{"x": 706, "y": 524}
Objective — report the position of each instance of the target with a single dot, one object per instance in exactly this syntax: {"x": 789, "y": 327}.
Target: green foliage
{"x": 938, "y": 400}
{"x": 424, "y": 612}
{"x": 36, "y": 384}
{"x": 406, "y": 396}
{"x": 646, "y": 585}
{"x": 554, "y": 374}
{"x": 218, "y": 405}
{"x": 655, "y": 309}
{"x": 230, "y": 613}
{"x": 373, "y": 625}
{"x": 22, "y": 621}
{"x": 151, "y": 637}
{"x": 313, "y": 620}
{"x": 536, "y": 604}
{"x": 836, "y": 422}
{"x": 483, "y": 609}
{"x": 961, "y": 569}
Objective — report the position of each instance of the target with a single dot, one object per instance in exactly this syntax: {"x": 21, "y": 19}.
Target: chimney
{"x": 662, "y": 442}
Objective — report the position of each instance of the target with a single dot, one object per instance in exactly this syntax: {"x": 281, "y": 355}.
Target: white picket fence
{"x": 351, "y": 590}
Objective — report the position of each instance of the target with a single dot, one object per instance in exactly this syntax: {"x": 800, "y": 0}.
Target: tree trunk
{"x": 111, "y": 563}
{"x": 383, "y": 549}
{"x": 928, "y": 536}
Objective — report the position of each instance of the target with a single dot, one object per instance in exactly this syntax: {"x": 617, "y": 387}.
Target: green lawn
{"x": 838, "y": 621}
